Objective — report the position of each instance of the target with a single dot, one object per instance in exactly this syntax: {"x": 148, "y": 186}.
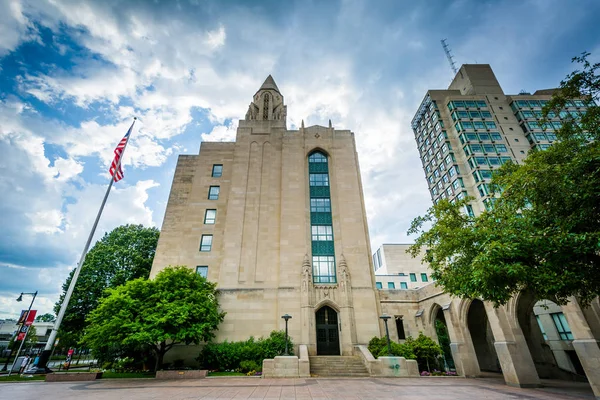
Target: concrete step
{"x": 337, "y": 366}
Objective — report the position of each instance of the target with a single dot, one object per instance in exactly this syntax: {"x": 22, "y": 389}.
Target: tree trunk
{"x": 160, "y": 354}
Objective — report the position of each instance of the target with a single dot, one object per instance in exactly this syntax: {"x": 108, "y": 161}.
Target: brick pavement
{"x": 314, "y": 388}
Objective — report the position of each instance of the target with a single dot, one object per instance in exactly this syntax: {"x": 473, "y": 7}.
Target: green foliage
{"x": 426, "y": 351}
{"x": 178, "y": 306}
{"x": 45, "y": 318}
{"x": 422, "y": 349}
{"x": 249, "y": 366}
{"x": 230, "y": 355}
{"x": 543, "y": 233}
{"x": 124, "y": 254}
{"x": 444, "y": 339}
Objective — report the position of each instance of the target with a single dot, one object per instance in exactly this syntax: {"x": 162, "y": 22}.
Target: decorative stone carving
{"x": 306, "y": 273}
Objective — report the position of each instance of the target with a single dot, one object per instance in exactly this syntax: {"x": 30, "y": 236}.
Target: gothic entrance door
{"x": 328, "y": 340}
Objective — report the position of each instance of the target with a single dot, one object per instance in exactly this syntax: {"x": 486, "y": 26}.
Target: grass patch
{"x": 127, "y": 375}
{"x": 17, "y": 378}
{"x": 219, "y": 373}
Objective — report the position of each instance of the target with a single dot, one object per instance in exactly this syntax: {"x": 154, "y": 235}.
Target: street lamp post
{"x": 20, "y": 298}
{"x": 286, "y": 317}
{"x": 385, "y": 318}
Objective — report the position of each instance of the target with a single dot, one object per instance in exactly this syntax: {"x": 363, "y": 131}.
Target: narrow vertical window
{"x": 323, "y": 256}
{"x": 217, "y": 170}
{"x": 413, "y": 277}
{"x": 391, "y": 285}
{"x": 266, "y": 107}
{"x": 213, "y": 192}
{"x": 206, "y": 243}
{"x": 210, "y": 216}
{"x": 562, "y": 326}
{"x": 202, "y": 270}
{"x": 403, "y": 285}
{"x": 400, "y": 328}
{"x": 424, "y": 277}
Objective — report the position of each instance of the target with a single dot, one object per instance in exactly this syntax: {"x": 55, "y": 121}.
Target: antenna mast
{"x": 449, "y": 56}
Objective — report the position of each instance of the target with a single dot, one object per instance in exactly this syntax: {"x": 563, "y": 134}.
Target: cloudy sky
{"x": 74, "y": 73}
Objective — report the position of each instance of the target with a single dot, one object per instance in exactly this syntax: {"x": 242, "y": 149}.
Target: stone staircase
{"x": 337, "y": 366}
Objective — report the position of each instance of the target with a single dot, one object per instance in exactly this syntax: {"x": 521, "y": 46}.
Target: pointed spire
{"x": 269, "y": 84}
{"x": 329, "y": 124}
{"x": 302, "y": 126}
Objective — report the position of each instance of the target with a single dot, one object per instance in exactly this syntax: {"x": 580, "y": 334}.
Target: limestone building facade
{"x": 277, "y": 220}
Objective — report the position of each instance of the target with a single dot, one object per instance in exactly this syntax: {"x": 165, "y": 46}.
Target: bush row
{"x": 244, "y": 356}
{"x": 423, "y": 349}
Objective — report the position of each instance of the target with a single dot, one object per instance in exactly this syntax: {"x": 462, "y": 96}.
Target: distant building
{"x": 465, "y": 132}
{"x": 9, "y": 327}
{"x": 396, "y": 269}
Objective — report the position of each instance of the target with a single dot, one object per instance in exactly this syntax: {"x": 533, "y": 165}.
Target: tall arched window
{"x": 266, "y": 107}
{"x": 323, "y": 255}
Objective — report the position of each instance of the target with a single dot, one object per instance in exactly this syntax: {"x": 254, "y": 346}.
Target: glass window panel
{"x": 324, "y": 269}
{"x": 319, "y": 179}
{"x": 202, "y": 270}
{"x": 501, "y": 148}
{"x": 210, "y": 217}
{"x": 486, "y": 114}
{"x": 495, "y": 136}
{"x": 490, "y": 124}
{"x": 378, "y": 285}
{"x": 474, "y": 114}
{"x": 479, "y": 125}
{"x": 213, "y": 192}
{"x": 489, "y": 148}
{"x": 423, "y": 277}
{"x": 467, "y": 125}
{"x": 403, "y": 285}
{"x": 481, "y": 104}
{"x": 494, "y": 160}
{"x": 320, "y": 205}
{"x": 413, "y": 277}
{"x": 206, "y": 243}
{"x": 317, "y": 158}
{"x": 484, "y": 137}
{"x": 217, "y": 170}
{"x": 470, "y": 104}
{"x": 322, "y": 232}
{"x": 463, "y": 114}
{"x": 480, "y": 161}
{"x": 391, "y": 285}
{"x": 476, "y": 148}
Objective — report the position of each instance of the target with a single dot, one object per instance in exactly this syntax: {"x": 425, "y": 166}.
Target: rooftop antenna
{"x": 449, "y": 56}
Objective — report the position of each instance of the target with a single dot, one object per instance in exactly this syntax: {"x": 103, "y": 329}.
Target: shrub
{"x": 249, "y": 366}
{"x": 230, "y": 355}
{"x": 423, "y": 349}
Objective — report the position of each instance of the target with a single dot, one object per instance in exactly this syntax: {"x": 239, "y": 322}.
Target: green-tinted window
{"x": 391, "y": 285}
{"x": 320, "y": 205}
{"x": 378, "y": 285}
{"x": 403, "y": 285}
{"x": 562, "y": 326}
{"x": 413, "y": 277}
{"x": 324, "y": 269}
{"x": 319, "y": 180}
{"x": 317, "y": 158}
{"x": 424, "y": 277}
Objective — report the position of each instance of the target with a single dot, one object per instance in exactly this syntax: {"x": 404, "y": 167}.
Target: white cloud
{"x": 221, "y": 133}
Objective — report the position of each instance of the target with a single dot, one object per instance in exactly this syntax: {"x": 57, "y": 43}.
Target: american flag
{"x": 117, "y": 173}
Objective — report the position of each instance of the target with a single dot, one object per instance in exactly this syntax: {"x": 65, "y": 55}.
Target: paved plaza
{"x": 314, "y": 388}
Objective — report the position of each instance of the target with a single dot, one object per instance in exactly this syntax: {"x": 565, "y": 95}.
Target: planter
{"x": 73, "y": 376}
{"x": 185, "y": 374}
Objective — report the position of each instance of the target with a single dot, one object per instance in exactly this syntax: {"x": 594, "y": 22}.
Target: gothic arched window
{"x": 266, "y": 106}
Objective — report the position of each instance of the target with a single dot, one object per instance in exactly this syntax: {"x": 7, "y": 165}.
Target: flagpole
{"x": 44, "y": 358}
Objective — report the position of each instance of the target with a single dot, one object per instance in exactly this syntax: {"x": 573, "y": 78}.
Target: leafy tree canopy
{"x": 45, "y": 318}
{"x": 178, "y": 306}
{"x": 124, "y": 254}
{"x": 543, "y": 233}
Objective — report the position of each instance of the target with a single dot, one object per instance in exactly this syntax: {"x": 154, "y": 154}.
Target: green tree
{"x": 45, "y": 318}
{"x": 425, "y": 349}
{"x": 543, "y": 232}
{"x": 124, "y": 254}
{"x": 178, "y": 306}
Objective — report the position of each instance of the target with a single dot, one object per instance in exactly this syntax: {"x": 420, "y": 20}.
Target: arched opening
{"x": 441, "y": 330}
{"x": 482, "y": 337}
{"x": 549, "y": 338}
{"x": 328, "y": 338}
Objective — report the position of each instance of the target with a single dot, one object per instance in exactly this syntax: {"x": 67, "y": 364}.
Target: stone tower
{"x": 277, "y": 219}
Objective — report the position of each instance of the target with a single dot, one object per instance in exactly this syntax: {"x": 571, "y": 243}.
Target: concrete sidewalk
{"x": 312, "y": 388}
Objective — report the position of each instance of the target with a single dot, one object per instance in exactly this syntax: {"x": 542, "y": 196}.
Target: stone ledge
{"x": 73, "y": 376}
{"x": 191, "y": 374}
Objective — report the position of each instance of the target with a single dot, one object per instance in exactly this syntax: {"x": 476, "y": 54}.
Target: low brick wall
{"x": 191, "y": 374}
{"x": 281, "y": 367}
{"x": 73, "y": 376}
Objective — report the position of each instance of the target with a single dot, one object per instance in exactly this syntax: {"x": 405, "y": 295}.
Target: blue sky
{"x": 74, "y": 73}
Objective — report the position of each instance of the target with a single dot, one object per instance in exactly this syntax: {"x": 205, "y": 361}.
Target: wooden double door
{"x": 328, "y": 338}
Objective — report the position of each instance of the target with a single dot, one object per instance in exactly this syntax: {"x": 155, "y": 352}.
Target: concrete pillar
{"x": 511, "y": 347}
{"x": 584, "y": 343}
{"x": 461, "y": 345}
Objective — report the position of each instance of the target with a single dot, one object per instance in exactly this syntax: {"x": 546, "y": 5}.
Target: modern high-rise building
{"x": 465, "y": 132}
{"x": 277, "y": 220}
{"x": 397, "y": 269}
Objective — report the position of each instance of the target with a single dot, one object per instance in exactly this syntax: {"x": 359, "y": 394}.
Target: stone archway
{"x": 548, "y": 337}
{"x": 482, "y": 337}
{"x": 328, "y": 338}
